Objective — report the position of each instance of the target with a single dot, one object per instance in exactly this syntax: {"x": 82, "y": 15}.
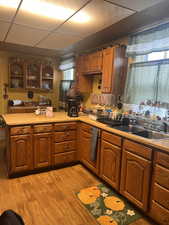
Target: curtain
{"x": 67, "y": 64}
{"x": 147, "y": 81}
{"x": 141, "y": 83}
{"x": 154, "y": 40}
{"x": 163, "y": 83}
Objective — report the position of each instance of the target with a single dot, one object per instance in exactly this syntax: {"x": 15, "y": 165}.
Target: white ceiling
{"x": 21, "y": 22}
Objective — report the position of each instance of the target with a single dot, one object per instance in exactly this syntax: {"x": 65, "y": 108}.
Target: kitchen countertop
{"x": 31, "y": 118}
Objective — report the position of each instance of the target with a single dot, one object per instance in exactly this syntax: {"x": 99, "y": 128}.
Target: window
{"x": 68, "y": 74}
{"x": 148, "y": 74}
{"x": 66, "y": 83}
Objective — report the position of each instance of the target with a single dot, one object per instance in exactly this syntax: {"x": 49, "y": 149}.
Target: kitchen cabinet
{"x": 114, "y": 70}
{"x": 16, "y": 71}
{"x": 42, "y": 150}
{"x": 107, "y": 72}
{"x": 159, "y": 205}
{"x": 86, "y": 65}
{"x": 84, "y": 147}
{"x": 91, "y": 63}
{"x": 110, "y": 160}
{"x": 136, "y": 173}
{"x": 83, "y": 83}
{"x": 30, "y": 74}
{"x": 21, "y": 153}
{"x": 64, "y": 148}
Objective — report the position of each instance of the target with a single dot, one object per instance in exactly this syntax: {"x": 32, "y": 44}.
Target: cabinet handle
{"x": 64, "y": 127}
{"x": 21, "y": 130}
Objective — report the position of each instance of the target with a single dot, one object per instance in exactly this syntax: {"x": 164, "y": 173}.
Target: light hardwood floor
{"x": 49, "y": 198}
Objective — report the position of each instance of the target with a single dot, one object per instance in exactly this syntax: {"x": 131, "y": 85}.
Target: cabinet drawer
{"x": 64, "y": 158}
{"x": 86, "y": 127}
{"x": 65, "y": 136}
{"x": 162, "y": 176}
{"x": 64, "y": 126}
{"x": 139, "y": 149}
{"x": 111, "y": 138}
{"x": 64, "y": 146}
{"x": 159, "y": 213}
{"x": 20, "y": 130}
{"x": 162, "y": 159}
{"x": 161, "y": 196}
{"x": 42, "y": 128}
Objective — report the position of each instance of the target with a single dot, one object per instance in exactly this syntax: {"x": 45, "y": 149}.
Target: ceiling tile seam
{"x": 4, "y": 21}
{"x": 54, "y": 30}
{"x": 124, "y": 7}
{"x": 5, "y": 46}
{"x": 30, "y": 27}
{"x": 12, "y": 21}
{"x": 40, "y": 29}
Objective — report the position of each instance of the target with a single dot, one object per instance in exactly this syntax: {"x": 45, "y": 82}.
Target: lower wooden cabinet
{"x": 64, "y": 158}
{"x": 110, "y": 163}
{"x": 21, "y": 153}
{"x": 159, "y": 205}
{"x": 135, "y": 175}
{"x": 42, "y": 150}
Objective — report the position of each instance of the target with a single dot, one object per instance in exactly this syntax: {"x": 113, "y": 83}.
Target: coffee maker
{"x": 72, "y": 107}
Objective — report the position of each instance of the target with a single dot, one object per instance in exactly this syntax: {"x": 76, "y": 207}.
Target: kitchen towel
{"x": 94, "y": 141}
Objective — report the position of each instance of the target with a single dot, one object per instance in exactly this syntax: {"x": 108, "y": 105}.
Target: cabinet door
{"x": 135, "y": 179}
{"x": 83, "y": 82}
{"x": 110, "y": 163}
{"x": 107, "y": 71}
{"x": 21, "y": 153}
{"x": 42, "y": 150}
{"x": 97, "y": 61}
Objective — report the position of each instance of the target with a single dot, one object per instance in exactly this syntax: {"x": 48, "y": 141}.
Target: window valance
{"x": 153, "y": 40}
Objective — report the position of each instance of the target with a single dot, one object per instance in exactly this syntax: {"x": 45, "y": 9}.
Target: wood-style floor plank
{"x": 49, "y": 198}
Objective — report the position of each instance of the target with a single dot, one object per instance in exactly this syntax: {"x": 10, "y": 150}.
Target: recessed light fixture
{"x": 45, "y": 9}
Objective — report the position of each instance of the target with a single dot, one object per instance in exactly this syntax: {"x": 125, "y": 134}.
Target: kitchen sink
{"x": 142, "y": 132}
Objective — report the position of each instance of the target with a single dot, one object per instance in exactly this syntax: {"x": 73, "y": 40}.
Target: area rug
{"x": 107, "y": 206}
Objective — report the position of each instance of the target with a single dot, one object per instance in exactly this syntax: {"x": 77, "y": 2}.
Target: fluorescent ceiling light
{"x": 9, "y": 3}
{"x": 46, "y": 9}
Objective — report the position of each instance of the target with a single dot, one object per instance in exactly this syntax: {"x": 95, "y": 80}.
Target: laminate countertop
{"x": 31, "y": 118}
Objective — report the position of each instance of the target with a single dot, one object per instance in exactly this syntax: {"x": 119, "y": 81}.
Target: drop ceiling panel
{"x": 8, "y": 9}
{"x": 58, "y": 41}
{"x": 137, "y": 4}
{"x": 25, "y": 36}
{"x": 3, "y": 28}
{"x": 100, "y": 14}
{"x": 47, "y": 14}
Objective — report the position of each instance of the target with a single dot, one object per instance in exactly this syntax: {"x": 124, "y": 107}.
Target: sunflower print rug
{"x": 107, "y": 206}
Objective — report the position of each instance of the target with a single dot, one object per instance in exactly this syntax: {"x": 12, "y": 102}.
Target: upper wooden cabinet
{"x": 91, "y": 63}
{"x": 111, "y": 63}
{"x": 16, "y": 73}
{"x": 83, "y": 82}
{"x": 30, "y": 74}
{"x": 33, "y": 75}
{"x": 114, "y": 70}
